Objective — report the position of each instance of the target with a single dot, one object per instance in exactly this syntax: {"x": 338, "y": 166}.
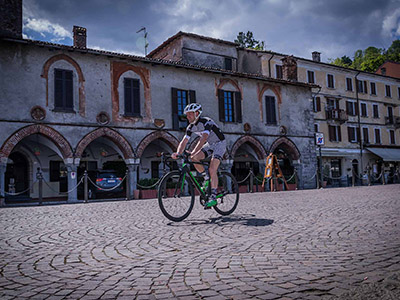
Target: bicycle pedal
{"x": 205, "y": 207}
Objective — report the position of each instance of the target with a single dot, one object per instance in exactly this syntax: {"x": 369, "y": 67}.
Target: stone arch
{"x": 81, "y": 79}
{"x": 253, "y": 142}
{"x": 287, "y": 145}
{"x": 261, "y": 89}
{"x": 61, "y": 143}
{"x": 169, "y": 139}
{"x": 117, "y": 69}
{"x": 112, "y": 135}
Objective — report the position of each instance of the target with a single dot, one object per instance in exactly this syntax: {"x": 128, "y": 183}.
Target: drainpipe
{"x": 269, "y": 64}
{"x": 359, "y": 123}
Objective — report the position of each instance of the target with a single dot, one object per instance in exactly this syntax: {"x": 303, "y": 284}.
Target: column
{"x": 72, "y": 168}
{"x": 3, "y": 168}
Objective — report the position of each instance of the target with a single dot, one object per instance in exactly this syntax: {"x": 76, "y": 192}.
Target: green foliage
{"x": 248, "y": 41}
{"x": 370, "y": 58}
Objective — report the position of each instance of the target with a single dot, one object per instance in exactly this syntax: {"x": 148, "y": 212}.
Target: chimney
{"x": 289, "y": 68}
{"x": 383, "y": 71}
{"x": 79, "y": 37}
{"x": 316, "y": 56}
{"x": 11, "y": 18}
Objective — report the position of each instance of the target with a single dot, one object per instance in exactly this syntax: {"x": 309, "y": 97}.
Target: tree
{"x": 370, "y": 58}
{"x": 344, "y": 61}
{"x": 248, "y": 41}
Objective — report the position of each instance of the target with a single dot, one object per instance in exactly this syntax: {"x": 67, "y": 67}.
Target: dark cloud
{"x": 335, "y": 28}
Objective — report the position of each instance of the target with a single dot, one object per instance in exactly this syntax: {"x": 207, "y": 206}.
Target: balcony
{"x": 389, "y": 120}
{"x": 336, "y": 114}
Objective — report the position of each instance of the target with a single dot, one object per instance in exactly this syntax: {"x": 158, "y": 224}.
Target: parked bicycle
{"x": 176, "y": 191}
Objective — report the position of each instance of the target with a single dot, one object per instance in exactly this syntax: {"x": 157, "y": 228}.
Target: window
{"x": 228, "y": 63}
{"x": 316, "y": 127}
{"x": 353, "y": 134}
{"x": 330, "y": 81}
{"x": 180, "y": 98}
{"x": 365, "y": 135}
{"x": 362, "y": 86}
{"x": 278, "y": 71}
{"x": 230, "y": 106}
{"x": 377, "y": 136}
{"x": 373, "y": 88}
{"x": 392, "y": 137}
{"x": 63, "y": 90}
{"x": 375, "y": 110}
{"x": 398, "y": 92}
{"x": 364, "y": 112}
{"x": 132, "y": 97}
{"x": 388, "y": 91}
{"x": 351, "y": 107}
{"x": 334, "y": 133}
{"x": 317, "y": 104}
{"x": 270, "y": 110}
{"x": 310, "y": 77}
{"x": 349, "y": 84}
{"x": 336, "y": 167}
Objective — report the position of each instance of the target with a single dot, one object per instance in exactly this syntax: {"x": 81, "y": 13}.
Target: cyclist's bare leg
{"x": 213, "y": 169}
{"x": 197, "y": 158}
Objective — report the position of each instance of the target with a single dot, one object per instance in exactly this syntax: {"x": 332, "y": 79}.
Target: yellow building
{"x": 357, "y": 112}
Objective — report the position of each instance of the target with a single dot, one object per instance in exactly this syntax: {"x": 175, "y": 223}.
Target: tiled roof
{"x": 157, "y": 61}
{"x": 181, "y": 33}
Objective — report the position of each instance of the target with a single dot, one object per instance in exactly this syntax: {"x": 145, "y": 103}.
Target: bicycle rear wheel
{"x": 176, "y": 196}
{"x": 227, "y": 194}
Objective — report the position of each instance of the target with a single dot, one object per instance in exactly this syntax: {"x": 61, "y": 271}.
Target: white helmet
{"x": 193, "y": 107}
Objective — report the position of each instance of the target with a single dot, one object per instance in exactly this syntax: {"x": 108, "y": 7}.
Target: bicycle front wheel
{"x": 176, "y": 196}
{"x": 227, "y": 194}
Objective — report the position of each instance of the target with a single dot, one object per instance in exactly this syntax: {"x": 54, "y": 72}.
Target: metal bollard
{"x": 127, "y": 184}
{"x": 383, "y": 177}
{"x": 251, "y": 180}
{"x": 40, "y": 178}
{"x": 85, "y": 187}
{"x": 296, "y": 179}
{"x": 353, "y": 179}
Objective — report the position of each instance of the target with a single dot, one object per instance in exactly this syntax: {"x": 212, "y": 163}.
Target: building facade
{"x": 357, "y": 112}
{"x": 66, "y": 109}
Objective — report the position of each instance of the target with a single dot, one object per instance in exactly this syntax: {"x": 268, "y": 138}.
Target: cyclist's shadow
{"x": 246, "y": 220}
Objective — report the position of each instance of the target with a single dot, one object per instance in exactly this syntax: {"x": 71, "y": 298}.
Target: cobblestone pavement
{"x": 302, "y": 244}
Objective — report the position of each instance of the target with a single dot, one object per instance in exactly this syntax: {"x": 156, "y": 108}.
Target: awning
{"x": 387, "y": 154}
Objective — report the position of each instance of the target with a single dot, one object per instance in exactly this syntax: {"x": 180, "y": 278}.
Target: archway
{"x": 16, "y": 176}
{"x": 287, "y": 153}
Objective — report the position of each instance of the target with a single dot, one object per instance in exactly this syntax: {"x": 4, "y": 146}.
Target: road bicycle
{"x": 177, "y": 191}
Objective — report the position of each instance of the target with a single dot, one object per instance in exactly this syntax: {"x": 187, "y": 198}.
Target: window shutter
{"x": 356, "y": 109}
{"x": 221, "y": 105}
{"x": 58, "y": 89}
{"x": 238, "y": 107}
{"x": 365, "y": 87}
{"x": 318, "y": 103}
{"x": 128, "y": 96}
{"x": 331, "y": 132}
{"x": 273, "y": 111}
{"x": 136, "y": 96}
{"x": 350, "y": 133}
{"x": 174, "y": 101}
{"x": 192, "y": 96}
{"x": 348, "y": 108}
{"x": 69, "y": 99}
{"x": 358, "y": 134}
{"x": 365, "y": 135}
{"x": 339, "y": 134}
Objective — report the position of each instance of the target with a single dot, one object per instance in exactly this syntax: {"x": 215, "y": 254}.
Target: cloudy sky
{"x": 298, "y": 27}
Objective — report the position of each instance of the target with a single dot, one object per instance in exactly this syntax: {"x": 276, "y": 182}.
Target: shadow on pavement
{"x": 246, "y": 220}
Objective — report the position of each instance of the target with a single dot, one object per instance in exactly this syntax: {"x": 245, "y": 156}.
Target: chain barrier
{"x": 248, "y": 175}
{"x": 376, "y": 179}
{"x": 312, "y": 177}
{"x": 149, "y": 187}
{"x": 67, "y": 192}
{"x": 104, "y": 189}
{"x": 334, "y": 178}
{"x": 20, "y": 193}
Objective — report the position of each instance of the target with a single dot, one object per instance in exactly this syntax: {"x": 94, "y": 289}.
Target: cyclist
{"x": 212, "y": 143}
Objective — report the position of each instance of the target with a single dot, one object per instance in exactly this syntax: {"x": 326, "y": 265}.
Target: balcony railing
{"x": 336, "y": 114}
{"x": 389, "y": 120}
